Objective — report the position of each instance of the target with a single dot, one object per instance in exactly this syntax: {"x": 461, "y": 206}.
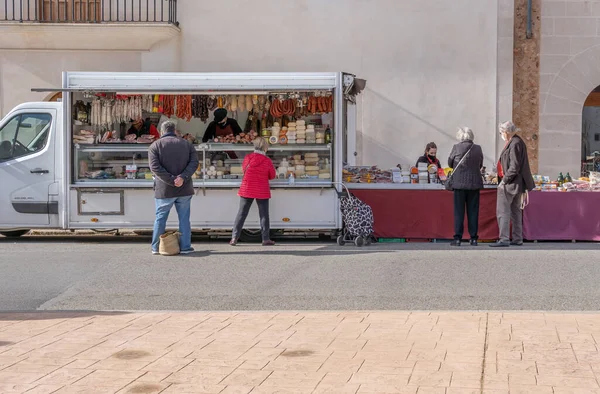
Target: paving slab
{"x": 310, "y": 352}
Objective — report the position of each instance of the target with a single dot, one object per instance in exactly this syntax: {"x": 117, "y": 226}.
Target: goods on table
{"x": 583, "y": 184}
{"x": 242, "y": 138}
{"x": 366, "y": 175}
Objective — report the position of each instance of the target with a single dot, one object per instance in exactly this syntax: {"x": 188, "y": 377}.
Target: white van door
{"x": 27, "y": 168}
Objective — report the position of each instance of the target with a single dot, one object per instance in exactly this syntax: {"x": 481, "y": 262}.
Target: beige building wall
{"x": 20, "y": 71}
{"x": 569, "y": 71}
{"x": 431, "y": 66}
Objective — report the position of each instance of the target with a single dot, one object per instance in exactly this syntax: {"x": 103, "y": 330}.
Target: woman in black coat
{"x": 467, "y": 181}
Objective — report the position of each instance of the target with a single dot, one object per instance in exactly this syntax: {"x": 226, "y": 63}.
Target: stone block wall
{"x": 569, "y": 71}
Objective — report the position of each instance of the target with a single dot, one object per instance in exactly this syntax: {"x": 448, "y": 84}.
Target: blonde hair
{"x": 260, "y": 144}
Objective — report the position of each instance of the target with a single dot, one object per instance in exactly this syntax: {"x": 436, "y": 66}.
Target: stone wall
{"x": 569, "y": 71}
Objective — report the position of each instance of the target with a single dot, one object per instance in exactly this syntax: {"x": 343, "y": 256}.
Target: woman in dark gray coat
{"x": 467, "y": 182}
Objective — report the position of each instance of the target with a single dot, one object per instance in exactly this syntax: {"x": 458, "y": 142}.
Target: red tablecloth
{"x": 424, "y": 213}
{"x": 556, "y": 216}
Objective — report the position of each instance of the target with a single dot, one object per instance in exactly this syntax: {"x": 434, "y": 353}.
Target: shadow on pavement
{"x": 325, "y": 245}
{"x": 50, "y": 315}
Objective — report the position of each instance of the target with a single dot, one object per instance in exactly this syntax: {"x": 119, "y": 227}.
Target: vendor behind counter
{"x": 221, "y": 126}
{"x": 430, "y": 156}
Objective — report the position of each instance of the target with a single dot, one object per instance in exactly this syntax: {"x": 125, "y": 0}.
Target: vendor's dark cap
{"x": 220, "y": 114}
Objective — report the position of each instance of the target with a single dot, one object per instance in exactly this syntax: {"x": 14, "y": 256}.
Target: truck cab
{"x": 30, "y": 137}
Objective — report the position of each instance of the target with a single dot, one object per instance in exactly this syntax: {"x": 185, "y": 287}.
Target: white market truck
{"x": 68, "y": 165}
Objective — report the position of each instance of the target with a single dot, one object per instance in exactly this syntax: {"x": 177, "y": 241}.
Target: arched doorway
{"x": 590, "y": 133}
{"x": 54, "y": 97}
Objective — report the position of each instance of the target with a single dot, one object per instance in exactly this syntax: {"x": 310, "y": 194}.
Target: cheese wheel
{"x": 312, "y": 173}
{"x": 236, "y": 170}
{"x": 300, "y": 122}
{"x": 300, "y": 141}
{"x": 292, "y": 124}
{"x": 310, "y": 126}
{"x": 320, "y": 141}
{"x": 283, "y": 140}
{"x": 276, "y": 124}
{"x": 284, "y": 128}
{"x": 325, "y": 176}
{"x": 297, "y": 157}
{"x": 311, "y": 154}
{"x": 300, "y": 167}
{"x": 323, "y": 171}
{"x": 220, "y": 173}
{"x": 212, "y": 168}
{"x": 300, "y": 172}
{"x": 312, "y": 168}
{"x": 273, "y": 140}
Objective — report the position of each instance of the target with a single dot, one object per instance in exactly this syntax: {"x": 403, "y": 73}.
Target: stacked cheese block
{"x": 310, "y": 134}
{"x": 291, "y": 133}
{"x": 236, "y": 171}
{"x": 320, "y": 135}
{"x": 301, "y": 131}
{"x": 312, "y": 164}
{"x": 275, "y": 130}
{"x": 299, "y": 166}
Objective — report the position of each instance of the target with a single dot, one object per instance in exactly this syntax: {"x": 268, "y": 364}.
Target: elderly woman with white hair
{"x": 466, "y": 160}
{"x": 516, "y": 180}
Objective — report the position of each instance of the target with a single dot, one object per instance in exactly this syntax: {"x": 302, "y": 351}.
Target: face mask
{"x": 432, "y": 157}
{"x": 503, "y": 136}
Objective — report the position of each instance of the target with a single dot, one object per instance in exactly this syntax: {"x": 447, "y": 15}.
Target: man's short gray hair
{"x": 507, "y": 127}
{"x": 167, "y": 127}
{"x": 465, "y": 134}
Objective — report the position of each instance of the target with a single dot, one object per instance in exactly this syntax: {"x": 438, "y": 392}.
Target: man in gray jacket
{"x": 516, "y": 180}
{"x": 173, "y": 161}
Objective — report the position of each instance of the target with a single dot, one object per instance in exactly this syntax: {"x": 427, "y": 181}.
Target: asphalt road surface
{"x": 111, "y": 273}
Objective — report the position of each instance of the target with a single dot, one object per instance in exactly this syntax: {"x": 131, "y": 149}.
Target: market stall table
{"x": 562, "y": 216}
{"x": 421, "y": 211}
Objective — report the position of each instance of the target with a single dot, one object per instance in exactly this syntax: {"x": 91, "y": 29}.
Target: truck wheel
{"x": 255, "y": 236}
{"x": 14, "y": 234}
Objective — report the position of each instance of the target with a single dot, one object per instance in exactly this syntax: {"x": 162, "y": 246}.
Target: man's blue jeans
{"x": 163, "y": 207}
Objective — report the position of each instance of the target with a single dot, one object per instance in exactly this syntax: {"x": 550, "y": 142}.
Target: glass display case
{"x": 310, "y": 164}
{"x": 126, "y": 165}
{"x": 112, "y": 164}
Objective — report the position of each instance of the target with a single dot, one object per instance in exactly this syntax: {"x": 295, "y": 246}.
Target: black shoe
{"x": 456, "y": 242}
{"x": 499, "y": 245}
{"x": 473, "y": 242}
{"x": 516, "y": 243}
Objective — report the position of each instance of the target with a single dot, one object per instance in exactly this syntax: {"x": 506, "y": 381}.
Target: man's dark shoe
{"x": 499, "y": 245}
{"x": 456, "y": 242}
{"x": 473, "y": 242}
{"x": 516, "y": 243}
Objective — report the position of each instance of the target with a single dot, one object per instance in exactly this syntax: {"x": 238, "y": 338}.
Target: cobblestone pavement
{"x": 304, "y": 352}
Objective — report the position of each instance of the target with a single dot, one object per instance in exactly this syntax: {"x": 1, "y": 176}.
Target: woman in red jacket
{"x": 258, "y": 171}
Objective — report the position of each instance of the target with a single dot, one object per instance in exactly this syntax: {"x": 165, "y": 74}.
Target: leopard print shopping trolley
{"x": 357, "y": 217}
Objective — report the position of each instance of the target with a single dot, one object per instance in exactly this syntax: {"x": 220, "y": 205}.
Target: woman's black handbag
{"x": 448, "y": 183}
